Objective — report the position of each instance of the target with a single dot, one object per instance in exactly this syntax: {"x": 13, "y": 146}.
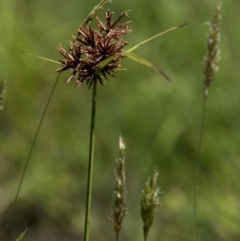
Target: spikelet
{"x": 149, "y": 202}
{"x": 212, "y": 57}
{"x": 119, "y": 207}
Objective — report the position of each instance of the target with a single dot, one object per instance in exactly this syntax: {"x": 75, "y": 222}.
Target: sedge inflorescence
{"x": 91, "y": 47}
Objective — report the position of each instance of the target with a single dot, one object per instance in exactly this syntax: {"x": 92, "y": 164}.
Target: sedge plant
{"x": 93, "y": 55}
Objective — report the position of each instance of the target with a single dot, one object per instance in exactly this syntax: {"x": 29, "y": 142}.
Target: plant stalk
{"x": 198, "y": 165}
{"x": 29, "y": 157}
{"x": 90, "y": 162}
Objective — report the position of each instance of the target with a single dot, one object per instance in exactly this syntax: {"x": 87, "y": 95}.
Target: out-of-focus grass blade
{"x": 147, "y": 63}
{"x": 21, "y": 236}
{"x": 3, "y": 90}
{"x": 153, "y": 37}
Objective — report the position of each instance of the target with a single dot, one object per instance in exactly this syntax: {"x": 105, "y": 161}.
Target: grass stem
{"x": 28, "y": 159}
{"x": 198, "y": 166}
{"x": 90, "y": 162}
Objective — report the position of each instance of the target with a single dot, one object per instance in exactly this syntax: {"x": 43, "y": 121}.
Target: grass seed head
{"x": 119, "y": 207}
{"x": 212, "y": 57}
{"x": 149, "y": 202}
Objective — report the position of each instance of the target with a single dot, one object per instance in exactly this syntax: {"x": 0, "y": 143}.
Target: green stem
{"x": 90, "y": 162}
{"x": 198, "y": 165}
{"x": 28, "y": 159}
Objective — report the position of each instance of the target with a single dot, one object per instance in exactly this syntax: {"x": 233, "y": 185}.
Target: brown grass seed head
{"x": 92, "y": 46}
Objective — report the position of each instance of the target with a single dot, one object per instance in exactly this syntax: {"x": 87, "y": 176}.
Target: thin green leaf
{"x": 153, "y": 37}
{"x": 147, "y": 63}
{"x": 21, "y": 236}
{"x": 40, "y": 57}
{"x": 89, "y": 18}
{"x": 104, "y": 63}
{"x": 138, "y": 58}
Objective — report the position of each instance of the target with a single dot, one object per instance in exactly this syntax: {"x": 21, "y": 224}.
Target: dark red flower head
{"x": 91, "y": 47}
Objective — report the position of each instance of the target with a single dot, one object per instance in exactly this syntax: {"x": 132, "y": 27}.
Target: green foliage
{"x": 159, "y": 120}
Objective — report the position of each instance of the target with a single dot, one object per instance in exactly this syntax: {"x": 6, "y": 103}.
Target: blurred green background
{"x": 159, "y": 121}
